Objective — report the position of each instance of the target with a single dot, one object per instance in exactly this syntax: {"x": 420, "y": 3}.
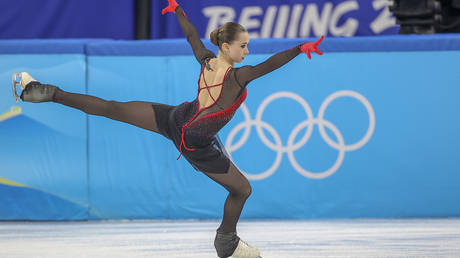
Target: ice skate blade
{"x": 15, "y": 81}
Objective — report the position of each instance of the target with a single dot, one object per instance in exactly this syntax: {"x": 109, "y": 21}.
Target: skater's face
{"x": 238, "y": 49}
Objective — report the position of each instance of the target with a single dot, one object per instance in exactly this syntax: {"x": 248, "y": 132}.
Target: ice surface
{"x": 278, "y": 238}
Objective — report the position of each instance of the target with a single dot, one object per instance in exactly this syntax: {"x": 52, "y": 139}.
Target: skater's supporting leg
{"x": 227, "y": 243}
{"x": 137, "y": 113}
{"x": 239, "y": 190}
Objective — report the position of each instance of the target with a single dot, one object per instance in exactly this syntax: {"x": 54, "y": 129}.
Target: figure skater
{"x": 193, "y": 126}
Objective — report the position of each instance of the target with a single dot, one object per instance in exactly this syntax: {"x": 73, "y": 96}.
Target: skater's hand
{"x": 171, "y": 8}
{"x": 311, "y": 47}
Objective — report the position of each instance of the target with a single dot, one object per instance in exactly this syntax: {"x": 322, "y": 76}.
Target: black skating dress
{"x": 193, "y": 128}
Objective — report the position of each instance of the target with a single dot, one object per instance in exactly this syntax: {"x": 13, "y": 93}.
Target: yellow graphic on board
{"x": 14, "y": 111}
{"x": 5, "y": 181}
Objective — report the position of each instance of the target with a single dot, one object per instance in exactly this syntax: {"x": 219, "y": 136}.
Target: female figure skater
{"x": 193, "y": 126}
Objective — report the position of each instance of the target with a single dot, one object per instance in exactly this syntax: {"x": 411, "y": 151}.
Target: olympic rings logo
{"x": 292, "y": 146}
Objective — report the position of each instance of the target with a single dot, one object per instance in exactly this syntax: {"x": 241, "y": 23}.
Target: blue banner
{"x": 29, "y": 19}
{"x": 281, "y": 19}
{"x": 369, "y": 133}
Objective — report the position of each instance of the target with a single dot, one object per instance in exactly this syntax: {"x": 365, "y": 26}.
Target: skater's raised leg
{"x": 137, "y": 113}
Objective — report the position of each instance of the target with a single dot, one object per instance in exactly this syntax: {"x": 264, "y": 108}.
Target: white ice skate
{"x": 244, "y": 250}
{"x": 21, "y": 79}
{"x": 32, "y": 90}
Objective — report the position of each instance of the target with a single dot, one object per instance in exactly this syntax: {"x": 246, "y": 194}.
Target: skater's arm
{"x": 248, "y": 73}
{"x": 201, "y": 53}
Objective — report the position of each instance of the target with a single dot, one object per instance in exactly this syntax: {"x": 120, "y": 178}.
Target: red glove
{"x": 171, "y": 8}
{"x": 311, "y": 47}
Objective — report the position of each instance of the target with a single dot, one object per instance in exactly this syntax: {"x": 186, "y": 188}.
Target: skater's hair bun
{"x": 226, "y": 33}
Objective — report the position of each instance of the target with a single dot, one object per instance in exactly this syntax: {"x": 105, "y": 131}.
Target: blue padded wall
{"x": 366, "y": 130}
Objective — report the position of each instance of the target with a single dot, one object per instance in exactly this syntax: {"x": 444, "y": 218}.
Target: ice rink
{"x": 278, "y": 238}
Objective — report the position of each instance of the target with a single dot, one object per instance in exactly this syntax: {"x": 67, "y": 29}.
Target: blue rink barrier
{"x": 366, "y": 130}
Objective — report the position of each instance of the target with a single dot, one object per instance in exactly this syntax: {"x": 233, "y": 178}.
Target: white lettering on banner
{"x": 218, "y": 15}
{"x": 384, "y": 20}
{"x": 350, "y": 26}
{"x": 288, "y": 19}
{"x": 248, "y": 23}
{"x": 312, "y": 19}
{"x": 268, "y": 21}
{"x": 281, "y": 22}
{"x": 295, "y": 18}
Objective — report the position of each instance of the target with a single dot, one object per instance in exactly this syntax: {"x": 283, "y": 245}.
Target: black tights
{"x": 141, "y": 114}
{"x": 239, "y": 189}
